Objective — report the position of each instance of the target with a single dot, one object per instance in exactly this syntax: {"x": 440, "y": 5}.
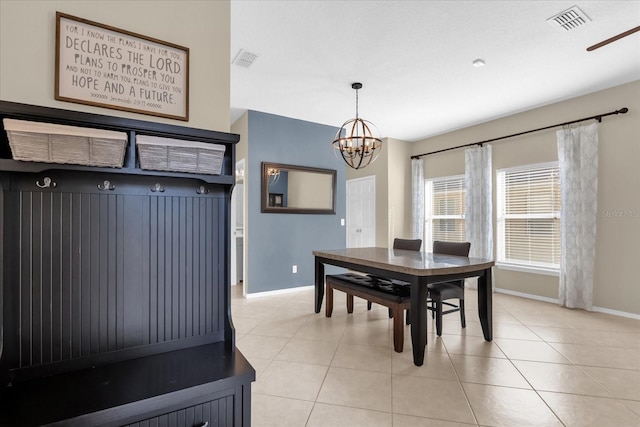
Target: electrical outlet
{"x": 294, "y": 269}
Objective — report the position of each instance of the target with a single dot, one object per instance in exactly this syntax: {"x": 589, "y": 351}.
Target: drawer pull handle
{"x": 106, "y": 185}
{"x": 204, "y": 424}
{"x": 202, "y": 190}
{"x": 46, "y": 183}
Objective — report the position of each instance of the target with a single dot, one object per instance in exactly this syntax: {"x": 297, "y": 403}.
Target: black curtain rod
{"x": 598, "y": 118}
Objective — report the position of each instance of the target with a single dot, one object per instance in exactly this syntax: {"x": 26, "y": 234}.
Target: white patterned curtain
{"x": 578, "y": 164}
{"x": 478, "y": 215}
{"x": 417, "y": 199}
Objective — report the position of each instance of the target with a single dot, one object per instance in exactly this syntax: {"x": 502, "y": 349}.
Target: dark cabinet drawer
{"x": 215, "y": 413}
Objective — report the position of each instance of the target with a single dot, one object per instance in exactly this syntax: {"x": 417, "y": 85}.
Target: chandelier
{"x": 356, "y": 142}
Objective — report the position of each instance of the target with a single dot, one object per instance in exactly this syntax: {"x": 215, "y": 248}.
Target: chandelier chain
{"x": 356, "y": 104}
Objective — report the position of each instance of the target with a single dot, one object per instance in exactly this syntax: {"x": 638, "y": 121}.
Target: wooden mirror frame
{"x": 264, "y": 203}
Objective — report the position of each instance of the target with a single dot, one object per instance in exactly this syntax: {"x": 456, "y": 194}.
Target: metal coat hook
{"x": 157, "y": 188}
{"x": 46, "y": 183}
{"x": 106, "y": 185}
{"x": 202, "y": 190}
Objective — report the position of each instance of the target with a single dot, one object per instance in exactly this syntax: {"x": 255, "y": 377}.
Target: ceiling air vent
{"x": 244, "y": 58}
{"x": 569, "y": 19}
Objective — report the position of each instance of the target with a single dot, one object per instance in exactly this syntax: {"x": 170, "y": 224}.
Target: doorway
{"x": 361, "y": 212}
{"x": 237, "y": 227}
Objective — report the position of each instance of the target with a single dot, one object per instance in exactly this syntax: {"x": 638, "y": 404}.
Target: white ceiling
{"x": 414, "y": 59}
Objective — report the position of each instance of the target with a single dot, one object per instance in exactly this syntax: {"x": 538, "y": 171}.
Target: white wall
{"x": 27, "y": 50}
{"x": 399, "y": 176}
{"x": 617, "y": 270}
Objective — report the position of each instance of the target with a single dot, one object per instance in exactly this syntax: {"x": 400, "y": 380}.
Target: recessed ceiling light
{"x": 478, "y": 63}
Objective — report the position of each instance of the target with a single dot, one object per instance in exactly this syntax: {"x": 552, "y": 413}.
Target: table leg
{"x": 485, "y": 310}
{"x": 418, "y": 319}
{"x": 319, "y": 273}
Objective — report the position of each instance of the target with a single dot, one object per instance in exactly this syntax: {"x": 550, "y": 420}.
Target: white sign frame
{"x": 104, "y": 66}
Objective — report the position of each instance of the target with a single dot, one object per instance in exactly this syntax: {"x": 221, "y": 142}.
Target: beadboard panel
{"x": 104, "y": 272}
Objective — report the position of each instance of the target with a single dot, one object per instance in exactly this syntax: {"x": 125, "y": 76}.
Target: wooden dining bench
{"x": 384, "y": 292}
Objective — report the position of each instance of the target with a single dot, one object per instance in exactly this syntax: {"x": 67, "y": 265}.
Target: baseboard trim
{"x": 278, "y": 292}
{"x": 556, "y": 301}
{"x": 528, "y": 296}
{"x": 617, "y": 313}
{"x": 499, "y": 290}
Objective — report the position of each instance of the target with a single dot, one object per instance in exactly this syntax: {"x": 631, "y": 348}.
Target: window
{"x": 444, "y": 210}
{"x": 529, "y": 218}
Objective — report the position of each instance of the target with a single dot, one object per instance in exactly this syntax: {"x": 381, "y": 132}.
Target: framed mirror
{"x": 297, "y": 189}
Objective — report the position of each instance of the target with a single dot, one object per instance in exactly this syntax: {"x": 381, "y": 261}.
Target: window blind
{"x": 445, "y": 199}
{"x": 529, "y": 216}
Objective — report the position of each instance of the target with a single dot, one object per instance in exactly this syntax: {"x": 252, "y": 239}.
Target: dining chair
{"x": 439, "y": 293}
{"x": 408, "y": 245}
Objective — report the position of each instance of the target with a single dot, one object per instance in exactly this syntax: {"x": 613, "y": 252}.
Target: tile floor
{"x": 547, "y": 366}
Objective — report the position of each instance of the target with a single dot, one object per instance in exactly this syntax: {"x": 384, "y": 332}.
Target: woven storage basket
{"x": 49, "y": 143}
{"x": 177, "y": 155}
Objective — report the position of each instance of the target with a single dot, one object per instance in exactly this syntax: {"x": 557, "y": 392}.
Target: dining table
{"x": 417, "y": 269}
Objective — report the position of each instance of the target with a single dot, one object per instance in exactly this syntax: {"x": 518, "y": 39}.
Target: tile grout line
{"x": 464, "y": 392}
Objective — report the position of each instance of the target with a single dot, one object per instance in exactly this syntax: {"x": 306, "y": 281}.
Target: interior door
{"x": 361, "y": 212}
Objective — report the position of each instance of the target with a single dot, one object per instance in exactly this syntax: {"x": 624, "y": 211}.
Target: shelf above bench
{"x": 133, "y": 128}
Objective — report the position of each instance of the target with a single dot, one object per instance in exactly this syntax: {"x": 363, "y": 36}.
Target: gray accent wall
{"x": 276, "y": 242}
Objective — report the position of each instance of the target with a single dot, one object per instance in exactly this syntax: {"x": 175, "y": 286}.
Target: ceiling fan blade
{"x": 612, "y": 39}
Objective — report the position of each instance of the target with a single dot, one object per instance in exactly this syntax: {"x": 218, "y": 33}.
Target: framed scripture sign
{"x": 108, "y": 67}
